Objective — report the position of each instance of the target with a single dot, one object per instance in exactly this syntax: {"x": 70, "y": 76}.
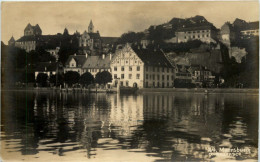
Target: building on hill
{"x": 32, "y": 30}
{"x": 11, "y": 42}
{"x": 135, "y": 67}
{"x": 28, "y": 43}
{"x": 90, "y": 42}
{"x": 252, "y": 29}
{"x": 227, "y": 34}
{"x": 203, "y": 33}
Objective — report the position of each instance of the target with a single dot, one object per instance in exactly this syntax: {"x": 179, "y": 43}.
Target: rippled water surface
{"x": 148, "y": 127}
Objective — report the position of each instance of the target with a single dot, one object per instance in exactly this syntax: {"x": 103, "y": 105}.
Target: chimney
{"x": 110, "y": 56}
{"x": 103, "y": 56}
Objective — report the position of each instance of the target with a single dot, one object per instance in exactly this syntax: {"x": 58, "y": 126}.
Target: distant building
{"x": 95, "y": 64}
{"x": 11, "y": 42}
{"x": 88, "y": 63}
{"x": 28, "y": 43}
{"x": 90, "y": 42}
{"x": 227, "y": 34}
{"x": 49, "y": 68}
{"x": 183, "y": 73}
{"x": 135, "y": 67}
{"x": 75, "y": 63}
{"x": 201, "y": 74}
{"x": 54, "y": 52}
{"x": 203, "y": 33}
{"x": 252, "y": 29}
{"x": 32, "y": 30}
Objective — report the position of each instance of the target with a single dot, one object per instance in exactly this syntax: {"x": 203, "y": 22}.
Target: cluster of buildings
{"x": 136, "y": 67}
{"x": 88, "y": 42}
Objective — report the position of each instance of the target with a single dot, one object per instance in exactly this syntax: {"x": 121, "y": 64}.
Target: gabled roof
{"x": 46, "y": 66}
{"x": 80, "y": 59}
{"x": 97, "y": 62}
{"x": 152, "y": 57}
{"x": 12, "y": 39}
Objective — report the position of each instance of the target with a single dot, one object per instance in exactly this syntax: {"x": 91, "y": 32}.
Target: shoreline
{"x": 147, "y": 90}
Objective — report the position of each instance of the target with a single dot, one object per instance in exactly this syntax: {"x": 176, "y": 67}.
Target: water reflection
{"x": 156, "y": 126}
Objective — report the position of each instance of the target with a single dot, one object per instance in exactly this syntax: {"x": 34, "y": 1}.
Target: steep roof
{"x": 97, "y": 62}
{"x": 12, "y": 39}
{"x": 80, "y": 59}
{"x": 152, "y": 57}
{"x": 109, "y": 40}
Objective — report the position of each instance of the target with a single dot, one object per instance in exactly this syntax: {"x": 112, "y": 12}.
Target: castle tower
{"x": 91, "y": 27}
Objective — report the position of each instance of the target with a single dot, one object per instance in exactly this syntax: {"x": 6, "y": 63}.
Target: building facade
{"x": 252, "y": 29}
{"x": 90, "y": 42}
{"x": 205, "y": 34}
{"x": 135, "y": 67}
{"x": 75, "y": 63}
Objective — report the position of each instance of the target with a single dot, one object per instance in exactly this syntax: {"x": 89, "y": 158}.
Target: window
{"x": 127, "y": 83}
{"x": 115, "y": 68}
{"x": 130, "y": 68}
{"x": 153, "y": 69}
{"x": 158, "y": 70}
{"x": 167, "y": 77}
{"x": 167, "y": 70}
{"x": 122, "y": 76}
{"x": 130, "y": 76}
{"x": 122, "y": 68}
{"x": 126, "y": 62}
{"x": 146, "y": 76}
{"x": 162, "y": 69}
{"x": 137, "y": 76}
{"x": 138, "y": 68}
{"x": 193, "y": 36}
{"x": 184, "y": 37}
{"x": 162, "y": 77}
{"x": 72, "y": 64}
{"x": 207, "y": 35}
{"x": 115, "y": 76}
{"x": 146, "y": 68}
{"x": 198, "y": 36}
{"x": 153, "y": 76}
{"x": 158, "y": 77}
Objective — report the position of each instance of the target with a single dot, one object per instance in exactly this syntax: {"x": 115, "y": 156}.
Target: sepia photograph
{"x": 129, "y": 81}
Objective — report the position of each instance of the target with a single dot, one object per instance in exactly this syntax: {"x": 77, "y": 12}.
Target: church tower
{"x": 91, "y": 27}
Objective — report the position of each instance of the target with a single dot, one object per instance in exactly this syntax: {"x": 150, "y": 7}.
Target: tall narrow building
{"x": 91, "y": 27}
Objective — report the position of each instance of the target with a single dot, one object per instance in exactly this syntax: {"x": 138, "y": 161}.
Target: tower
{"x": 91, "y": 27}
{"x": 11, "y": 42}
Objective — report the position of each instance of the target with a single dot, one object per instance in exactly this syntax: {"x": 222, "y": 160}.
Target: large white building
{"x": 135, "y": 67}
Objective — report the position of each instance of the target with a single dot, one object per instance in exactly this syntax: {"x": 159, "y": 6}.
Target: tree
{"x": 103, "y": 77}
{"x": 59, "y": 79}
{"x": 42, "y": 79}
{"x": 71, "y": 77}
{"x": 86, "y": 79}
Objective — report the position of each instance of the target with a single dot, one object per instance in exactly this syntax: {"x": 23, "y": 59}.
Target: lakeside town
{"x": 182, "y": 53}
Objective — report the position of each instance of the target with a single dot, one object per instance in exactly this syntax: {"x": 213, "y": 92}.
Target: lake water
{"x": 147, "y": 127}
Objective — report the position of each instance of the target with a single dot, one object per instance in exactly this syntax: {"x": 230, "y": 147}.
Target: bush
{"x": 86, "y": 79}
{"x": 71, "y": 77}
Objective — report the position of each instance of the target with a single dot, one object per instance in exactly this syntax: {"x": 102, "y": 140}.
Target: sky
{"x": 115, "y": 18}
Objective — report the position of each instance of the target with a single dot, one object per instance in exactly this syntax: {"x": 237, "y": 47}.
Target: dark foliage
{"x": 42, "y": 79}
{"x": 59, "y": 79}
{"x": 86, "y": 79}
{"x": 71, "y": 77}
{"x": 103, "y": 77}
